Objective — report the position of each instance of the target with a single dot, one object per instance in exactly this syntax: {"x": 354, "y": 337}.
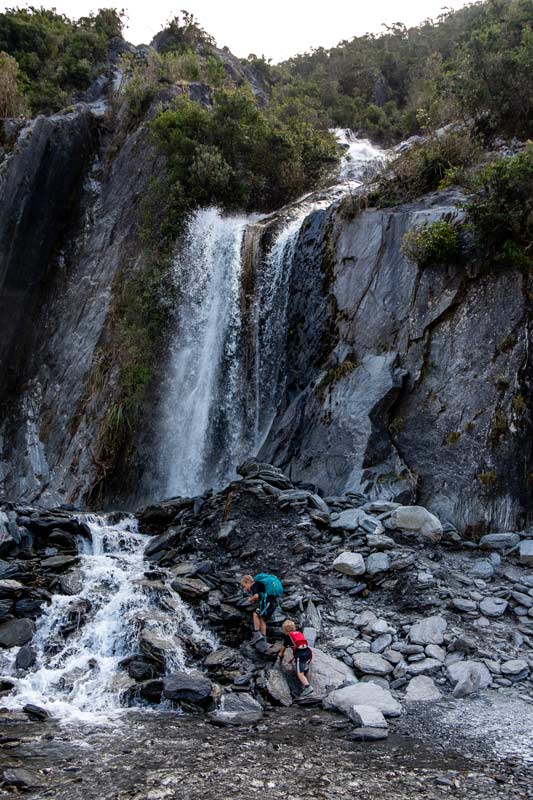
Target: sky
{"x": 276, "y": 29}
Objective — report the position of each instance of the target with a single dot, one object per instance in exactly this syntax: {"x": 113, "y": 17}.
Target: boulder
{"x": 191, "y": 588}
{"x": 367, "y": 717}
{"x": 191, "y": 687}
{"x": 278, "y": 687}
{"x": 427, "y": 666}
{"x": 482, "y": 568}
{"x": 238, "y": 709}
{"x": 16, "y": 632}
{"x": 493, "y": 606}
{"x": 35, "y": 712}
{"x": 526, "y": 551}
{"x": 71, "y": 583}
{"x": 327, "y": 673}
{"x": 514, "y": 667}
{"x": 377, "y": 562}
{"x": 25, "y": 658}
{"x": 350, "y": 564}
{"x": 371, "y": 664}
{"x": 416, "y": 519}
{"x": 499, "y": 541}
{"x": 10, "y": 588}
{"x": 422, "y": 689}
{"x": 468, "y": 676}
{"x": 141, "y": 669}
{"x": 363, "y": 694}
{"x": 428, "y": 631}
{"x": 58, "y": 563}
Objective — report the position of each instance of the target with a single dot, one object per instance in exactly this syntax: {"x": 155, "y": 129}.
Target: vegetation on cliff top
{"x": 56, "y": 56}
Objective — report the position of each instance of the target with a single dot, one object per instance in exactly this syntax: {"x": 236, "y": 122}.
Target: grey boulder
{"x": 238, "y": 709}
{"x": 468, "y": 677}
{"x": 350, "y": 564}
{"x": 499, "y": 541}
{"x": 363, "y": 694}
{"x": 428, "y": 631}
{"x": 526, "y": 551}
{"x": 422, "y": 689}
{"x": 418, "y": 520}
{"x": 191, "y": 687}
{"x": 371, "y": 664}
{"x": 16, "y": 632}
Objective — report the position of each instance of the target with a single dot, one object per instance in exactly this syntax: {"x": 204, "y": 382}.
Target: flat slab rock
{"x": 367, "y": 717}
{"x": 422, "y": 689}
{"x": 192, "y": 687}
{"x": 428, "y": 631}
{"x": 365, "y": 694}
{"x": 372, "y": 664}
{"x": 499, "y": 541}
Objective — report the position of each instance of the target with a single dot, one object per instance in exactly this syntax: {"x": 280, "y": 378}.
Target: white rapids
{"x": 78, "y": 677}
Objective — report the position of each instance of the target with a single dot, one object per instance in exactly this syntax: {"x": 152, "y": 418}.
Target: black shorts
{"x": 302, "y": 659}
{"x": 269, "y": 609}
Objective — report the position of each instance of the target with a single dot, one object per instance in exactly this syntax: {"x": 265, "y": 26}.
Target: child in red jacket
{"x": 301, "y": 654}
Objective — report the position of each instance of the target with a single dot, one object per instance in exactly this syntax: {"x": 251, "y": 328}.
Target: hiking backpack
{"x": 298, "y": 639}
{"x": 273, "y": 585}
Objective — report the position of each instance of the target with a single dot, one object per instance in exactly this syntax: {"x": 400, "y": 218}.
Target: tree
{"x": 11, "y": 98}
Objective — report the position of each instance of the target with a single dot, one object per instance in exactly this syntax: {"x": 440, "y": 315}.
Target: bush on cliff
{"x": 238, "y": 156}
{"x": 501, "y": 209}
{"x": 434, "y": 243}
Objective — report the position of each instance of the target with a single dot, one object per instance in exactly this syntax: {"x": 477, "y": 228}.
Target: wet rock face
{"x": 417, "y": 391}
{"x": 41, "y": 183}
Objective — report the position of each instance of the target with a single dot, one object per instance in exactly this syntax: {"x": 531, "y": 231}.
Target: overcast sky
{"x": 274, "y": 28}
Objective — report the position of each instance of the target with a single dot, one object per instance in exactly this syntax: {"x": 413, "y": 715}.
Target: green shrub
{"x": 238, "y": 156}
{"x": 426, "y": 166}
{"x": 501, "y": 209}
{"x": 435, "y": 243}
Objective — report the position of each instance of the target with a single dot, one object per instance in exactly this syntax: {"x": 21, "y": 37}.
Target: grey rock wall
{"x": 424, "y": 389}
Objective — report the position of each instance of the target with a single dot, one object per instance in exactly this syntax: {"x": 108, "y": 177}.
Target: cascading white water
{"x": 195, "y": 413}
{"x": 219, "y": 399}
{"x": 77, "y": 677}
{"x": 360, "y": 156}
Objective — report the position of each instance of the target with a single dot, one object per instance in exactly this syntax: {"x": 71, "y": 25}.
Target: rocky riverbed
{"x": 423, "y": 650}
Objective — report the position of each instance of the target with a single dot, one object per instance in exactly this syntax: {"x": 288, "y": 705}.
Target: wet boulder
{"x": 25, "y": 658}
{"x": 191, "y": 687}
{"x": 141, "y": 669}
{"x": 58, "y": 563}
{"x": 237, "y": 709}
{"x": 190, "y": 588}
{"x": 16, "y": 632}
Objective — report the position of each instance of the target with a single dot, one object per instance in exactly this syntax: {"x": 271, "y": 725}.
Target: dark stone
{"x": 164, "y": 513}
{"x": 48, "y": 524}
{"x": 165, "y": 541}
{"x": 191, "y": 588}
{"x": 58, "y": 563}
{"x": 35, "y": 712}
{"x": 151, "y": 690}
{"x": 6, "y": 609}
{"x": 25, "y": 657}
{"x": 16, "y": 632}
{"x": 140, "y": 669}
{"x": 28, "y": 607}
{"x": 193, "y": 687}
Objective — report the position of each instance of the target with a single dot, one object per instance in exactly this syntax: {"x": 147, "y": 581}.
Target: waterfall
{"x": 225, "y": 371}
{"x": 77, "y": 673}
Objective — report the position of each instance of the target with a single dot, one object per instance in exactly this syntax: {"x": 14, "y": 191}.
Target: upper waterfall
{"x": 225, "y": 370}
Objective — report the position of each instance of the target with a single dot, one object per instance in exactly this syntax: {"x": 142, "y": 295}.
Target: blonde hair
{"x": 288, "y": 626}
{"x": 246, "y": 580}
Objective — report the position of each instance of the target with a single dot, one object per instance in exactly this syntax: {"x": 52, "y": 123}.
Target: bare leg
{"x": 303, "y": 680}
{"x": 263, "y": 626}
{"x": 257, "y": 622}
